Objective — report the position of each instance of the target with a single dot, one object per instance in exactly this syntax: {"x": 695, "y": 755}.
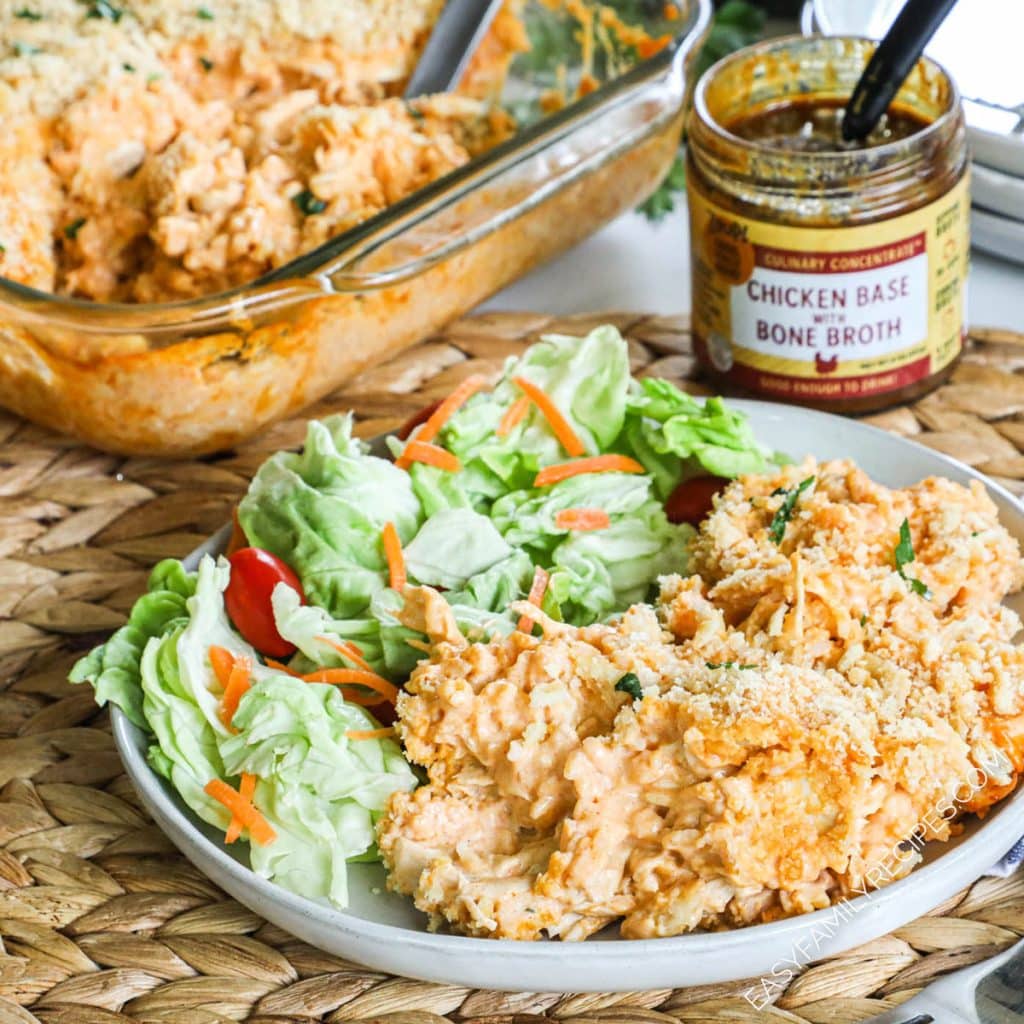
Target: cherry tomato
{"x": 690, "y": 502}
{"x": 416, "y": 419}
{"x": 254, "y": 574}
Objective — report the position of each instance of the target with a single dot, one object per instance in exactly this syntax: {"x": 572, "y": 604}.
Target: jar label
{"x": 830, "y": 313}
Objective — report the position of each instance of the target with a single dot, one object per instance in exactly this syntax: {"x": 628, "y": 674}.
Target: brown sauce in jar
{"x": 815, "y": 126}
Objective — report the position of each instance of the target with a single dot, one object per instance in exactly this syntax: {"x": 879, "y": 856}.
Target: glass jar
{"x": 826, "y": 275}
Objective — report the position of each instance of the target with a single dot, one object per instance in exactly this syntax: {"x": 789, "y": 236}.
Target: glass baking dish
{"x": 192, "y": 377}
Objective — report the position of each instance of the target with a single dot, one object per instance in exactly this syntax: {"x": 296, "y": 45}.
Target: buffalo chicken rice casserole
{"x": 164, "y": 149}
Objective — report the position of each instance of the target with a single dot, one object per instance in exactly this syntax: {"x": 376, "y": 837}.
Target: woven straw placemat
{"x": 101, "y": 920}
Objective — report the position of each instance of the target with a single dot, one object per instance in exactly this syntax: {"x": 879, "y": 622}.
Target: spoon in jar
{"x": 456, "y": 34}
{"x": 891, "y": 63}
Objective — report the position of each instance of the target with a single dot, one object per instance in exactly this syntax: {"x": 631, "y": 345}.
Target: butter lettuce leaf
{"x": 322, "y": 511}
{"x": 675, "y": 436}
{"x": 320, "y": 790}
{"x": 311, "y": 629}
{"x": 595, "y": 573}
{"x": 113, "y": 669}
{"x": 587, "y": 379}
{"x": 452, "y": 547}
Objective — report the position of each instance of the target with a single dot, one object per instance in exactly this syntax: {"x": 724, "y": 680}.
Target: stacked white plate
{"x": 981, "y": 44}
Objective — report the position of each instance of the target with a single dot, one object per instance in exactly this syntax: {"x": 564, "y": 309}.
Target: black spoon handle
{"x": 890, "y": 64}
{"x": 458, "y": 32}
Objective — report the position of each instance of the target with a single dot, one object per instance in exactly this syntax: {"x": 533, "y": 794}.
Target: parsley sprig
{"x": 777, "y": 529}
{"x": 903, "y": 556}
{"x": 630, "y": 683}
{"x": 308, "y": 203}
{"x": 727, "y": 664}
{"x": 104, "y": 10}
{"x": 736, "y": 24}
{"x": 662, "y": 201}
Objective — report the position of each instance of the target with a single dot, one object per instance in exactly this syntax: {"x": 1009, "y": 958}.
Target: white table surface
{"x": 637, "y": 266}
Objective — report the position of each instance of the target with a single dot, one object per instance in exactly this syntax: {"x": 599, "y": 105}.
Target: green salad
{"x": 266, "y": 680}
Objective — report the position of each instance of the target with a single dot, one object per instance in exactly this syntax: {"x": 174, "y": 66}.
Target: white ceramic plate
{"x": 997, "y": 235}
{"x": 979, "y": 44}
{"x": 997, "y": 192}
{"x": 385, "y": 932}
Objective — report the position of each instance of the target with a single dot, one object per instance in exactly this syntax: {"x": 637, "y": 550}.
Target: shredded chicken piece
{"x": 784, "y": 753}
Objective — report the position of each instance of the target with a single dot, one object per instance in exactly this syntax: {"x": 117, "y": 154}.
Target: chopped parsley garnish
{"x": 309, "y": 203}
{"x": 25, "y": 49}
{"x": 777, "y": 529}
{"x": 71, "y": 230}
{"x": 3, "y": 248}
{"x": 630, "y": 684}
{"x": 26, "y": 15}
{"x": 727, "y": 664}
{"x": 414, "y": 112}
{"x": 864, "y": 619}
{"x": 128, "y": 67}
{"x": 206, "y": 63}
{"x": 205, "y": 13}
{"x": 104, "y": 10}
{"x": 904, "y": 555}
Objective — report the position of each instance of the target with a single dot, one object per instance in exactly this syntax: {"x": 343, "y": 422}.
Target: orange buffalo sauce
{"x": 826, "y": 273}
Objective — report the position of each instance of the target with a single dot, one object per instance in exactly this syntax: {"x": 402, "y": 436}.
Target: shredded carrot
{"x": 444, "y": 412}
{"x": 279, "y": 666}
{"x": 567, "y": 437}
{"x": 238, "y": 683}
{"x": 358, "y": 676}
{"x": 595, "y": 464}
{"x": 536, "y": 596}
{"x": 238, "y": 538}
{"x": 348, "y": 649}
{"x": 430, "y": 454}
{"x": 242, "y": 809}
{"x": 649, "y": 47}
{"x": 582, "y": 519}
{"x": 222, "y": 662}
{"x": 246, "y": 788}
{"x": 395, "y": 559}
{"x": 513, "y": 416}
{"x": 369, "y": 734}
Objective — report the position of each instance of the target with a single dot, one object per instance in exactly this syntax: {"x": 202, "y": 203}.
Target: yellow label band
{"x": 830, "y": 312}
